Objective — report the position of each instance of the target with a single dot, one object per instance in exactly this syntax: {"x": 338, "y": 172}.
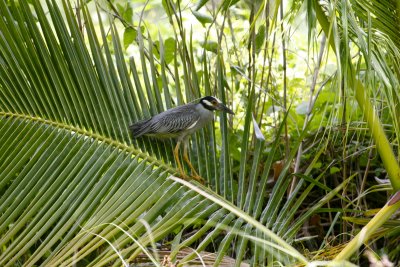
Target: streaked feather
{"x": 168, "y": 123}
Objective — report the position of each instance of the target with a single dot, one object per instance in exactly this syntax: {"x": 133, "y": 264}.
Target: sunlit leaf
{"x": 260, "y": 37}
{"x": 169, "y": 48}
{"x": 202, "y": 18}
{"x": 129, "y": 36}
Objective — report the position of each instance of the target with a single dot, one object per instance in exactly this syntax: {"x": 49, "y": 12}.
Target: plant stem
{"x": 287, "y": 148}
{"x": 378, "y": 134}
{"x": 382, "y": 216}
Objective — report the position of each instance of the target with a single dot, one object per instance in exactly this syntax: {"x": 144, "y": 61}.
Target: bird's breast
{"x": 206, "y": 117}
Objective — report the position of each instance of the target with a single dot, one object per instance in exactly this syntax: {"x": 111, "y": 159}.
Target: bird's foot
{"x": 198, "y": 178}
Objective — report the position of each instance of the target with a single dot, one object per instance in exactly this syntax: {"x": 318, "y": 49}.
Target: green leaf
{"x": 129, "y": 37}
{"x": 260, "y": 38}
{"x": 125, "y": 11}
{"x": 228, "y": 3}
{"x": 169, "y": 49}
{"x": 128, "y": 12}
{"x": 157, "y": 49}
{"x": 334, "y": 170}
{"x": 200, "y": 4}
{"x": 168, "y": 8}
{"x": 211, "y": 46}
{"x": 203, "y": 18}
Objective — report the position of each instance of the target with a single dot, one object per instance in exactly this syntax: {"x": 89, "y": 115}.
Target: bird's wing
{"x": 139, "y": 128}
{"x": 174, "y": 121}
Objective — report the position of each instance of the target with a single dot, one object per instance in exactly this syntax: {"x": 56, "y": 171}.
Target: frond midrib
{"x": 95, "y": 136}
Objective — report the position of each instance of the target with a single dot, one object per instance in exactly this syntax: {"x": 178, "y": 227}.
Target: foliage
{"x": 290, "y": 172}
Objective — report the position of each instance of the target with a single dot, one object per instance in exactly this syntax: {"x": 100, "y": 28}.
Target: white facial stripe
{"x": 191, "y": 126}
{"x": 208, "y": 103}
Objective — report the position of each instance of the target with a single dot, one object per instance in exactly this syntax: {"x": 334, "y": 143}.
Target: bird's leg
{"x": 195, "y": 175}
{"x": 186, "y": 158}
{"x": 178, "y": 162}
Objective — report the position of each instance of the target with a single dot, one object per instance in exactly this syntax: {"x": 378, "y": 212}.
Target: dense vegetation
{"x": 302, "y": 173}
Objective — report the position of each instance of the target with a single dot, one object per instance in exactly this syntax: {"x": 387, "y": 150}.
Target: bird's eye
{"x": 214, "y": 102}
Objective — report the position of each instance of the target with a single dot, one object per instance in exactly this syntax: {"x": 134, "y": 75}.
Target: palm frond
{"x": 70, "y": 171}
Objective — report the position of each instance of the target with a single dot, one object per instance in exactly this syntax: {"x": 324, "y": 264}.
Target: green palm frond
{"x": 70, "y": 171}
{"x": 72, "y": 178}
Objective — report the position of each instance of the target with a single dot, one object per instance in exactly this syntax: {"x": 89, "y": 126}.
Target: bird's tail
{"x": 139, "y": 128}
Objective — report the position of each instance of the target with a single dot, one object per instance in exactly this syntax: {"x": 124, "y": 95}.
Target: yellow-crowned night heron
{"x": 180, "y": 122}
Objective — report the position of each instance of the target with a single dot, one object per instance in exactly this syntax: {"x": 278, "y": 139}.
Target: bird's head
{"x": 213, "y": 103}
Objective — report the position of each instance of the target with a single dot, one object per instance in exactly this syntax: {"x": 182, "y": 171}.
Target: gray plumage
{"x": 180, "y": 121}
{"x": 174, "y": 122}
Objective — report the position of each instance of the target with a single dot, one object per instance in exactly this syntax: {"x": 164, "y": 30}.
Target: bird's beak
{"x": 222, "y": 107}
